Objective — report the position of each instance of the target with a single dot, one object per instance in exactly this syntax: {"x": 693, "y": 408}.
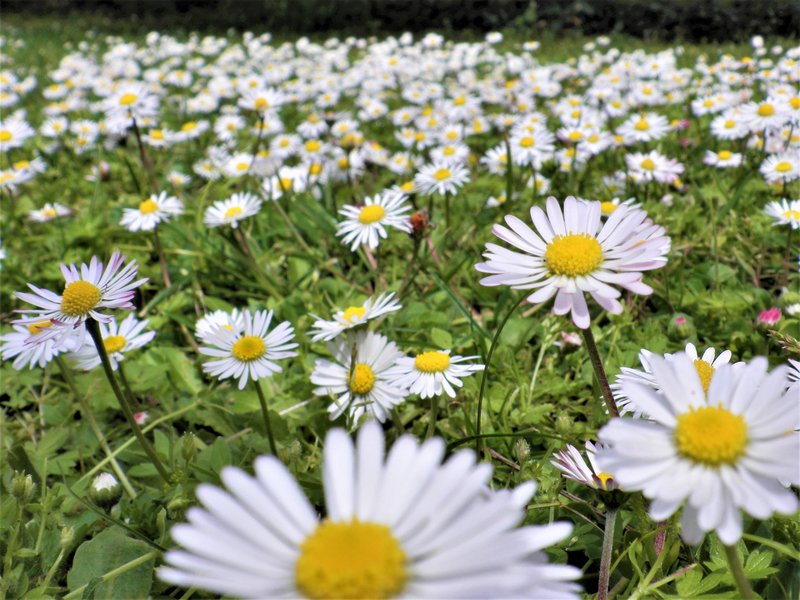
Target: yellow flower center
{"x": 604, "y": 479}
{"x": 575, "y": 136}
{"x": 35, "y": 328}
{"x": 352, "y": 559}
{"x": 708, "y": 103}
{"x": 724, "y": 154}
{"x": 261, "y": 103}
{"x": 353, "y": 312}
{"x": 460, "y": 101}
{"x": 794, "y": 101}
{"x": 5, "y": 135}
{"x": 127, "y": 99}
{"x": 371, "y": 214}
{"x": 79, "y": 298}
{"x": 648, "y": 164}
{"x": 343, "y": 163}
{"x": 242, "y": 166}
{"x": 148, "y": 206}
{"x": 526, "y": 142}
{"x": 49, "y": 213}
{"x": 315, "y": 169}
{"x": 793, "y": 215}
{"x": 641, "y": 125}
{"x": 233, "y": 212}
{"x": 449, "y": 151}
{"x": 711, "y": 435}
{"x": 730, "y": 124}
{"x": 573, "y": 255}
{"x": 607, "y": 207}
{"x": 114, "y": 343}
{"x": 312, "y": 145}
{"x": 189, "y": 126}
{"x": 766, "y": 110}
{"x": 361, "y": 379}
{"x": 408, "y": 186}
{"x": 21, "y": 164}
{"x": 432, "y": 362}
{"x": 783, "y": 166}
{"x": 705, "y": 371}
{"x": 442, "y": 174}
{"x": 157, "y": 134}
{"x": 249, "y": 347}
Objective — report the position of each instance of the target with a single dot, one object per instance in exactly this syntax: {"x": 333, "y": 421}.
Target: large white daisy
{"x": 367, "y": 224}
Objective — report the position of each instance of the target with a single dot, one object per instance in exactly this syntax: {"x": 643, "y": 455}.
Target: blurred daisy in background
{"x": 22, "y": 345}
{"x": 353, "y": 317}
{"x": 722, "y": 159}
{"x": 231, "y": 211}
{"x": 430, "y": 373}
{"x": 440, "y": 178}
{"x": 156, "y": 209}
{"x": 367, "y": 224}
{"x": 781, "y": 168}
{"x": 49, "y": 212}
{"x": 573, "y": 466}
{"x": 117, "y": 340}
{"x": 206, "y": 325}
{"x": 785, "y": 212}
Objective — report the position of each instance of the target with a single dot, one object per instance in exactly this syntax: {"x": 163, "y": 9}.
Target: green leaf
{"x": 108, "y": 551}
{"x": 758, "y": 564}
{"x": 441, "y": 338}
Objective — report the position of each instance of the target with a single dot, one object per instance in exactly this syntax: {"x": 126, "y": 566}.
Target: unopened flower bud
{"x": 188, "y": 447}
{"x": 681, "y": 327}
{"x": 67, "y": 535}
{"x": 522, "y": 450}
{"x": 22, "y": 487}
{"x": 105, "y": 490}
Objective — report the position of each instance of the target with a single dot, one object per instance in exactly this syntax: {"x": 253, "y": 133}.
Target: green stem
{"x": 52, "y": 570}
{"x": 599, "y": 372}
{"x": 162, "y": 260}
{"x": 787, "y": 256}
{"x": 605, "y": 557}
{"x": 484, "y": 376}
{"x": 86, "y": 413}
{"x": 735, "y": 565}
{"x": 265, "y": 414}
{"x": 434, "y": 413}
{"x": 94, "y": 330}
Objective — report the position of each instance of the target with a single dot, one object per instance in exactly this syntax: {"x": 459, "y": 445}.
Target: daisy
{"x": 13, "y": 133}
{"x": 207, "y": 325}
{"x": 367, "y": 224}
{"x": 23, "y": 346}
{"x": 781, "y": 168}
{"x": 250, "y": 353}
{"x": 360, "y": 378}
{"x": 49, "y": 212}
{"x": 151, "y": 212}
{"x": 229, "y": 212}
{"x": 573, "y": 466}
{"x": 131, "y": 102}
{"x": 353, "y": 316}
{"x": 718, "y": 452}
{"x": 405, "y": 525}
{"x": 652, "y": 166}
{"x": 785, "y": 212}
{"x": 87, "y": 291}
{"x": 643, "y": 127}
{"x": 723, "y": 158}
{"x": 117, "y": 339}
{"x": 572, "y": 253}
{"x": 440, "y": 178}
{"x": 431, "y": 373}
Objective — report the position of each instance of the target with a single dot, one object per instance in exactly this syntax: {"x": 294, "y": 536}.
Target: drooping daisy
{"x": 401, "y": 525}
{"x": 719, "y": 452}
{"x": 360, "y": 377}
{"x": 785, "y": 212}
{"x": 50, "y": 211}
{"x": 229, "y": 212}
{"x": 152, "y": 211}
{"x": 571, "y": 253}
{"x": 367, "y": 224}
{"x": 573, "y": 466}
{"x": 117, "y": 339}
{"x": 353, "y": 316}
{"x": 86, "y": 292}
{"x": 22, "y": 345}
{"x": 440, "y": 178}
{"x": 431, "y": 373}
{"x": 251, "y": 353}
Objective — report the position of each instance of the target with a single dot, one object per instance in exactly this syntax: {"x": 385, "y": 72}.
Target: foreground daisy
{"x": 402, "y": 525}
{"x": 367, "y": 224}
{"x": 717, "y": 453}
{"x": 572, "y": 253}
{"x": 151, "y": 212}
{"x": 354, "y": 316}
{"x": 431, "y": 373}
{"x": 251, "y": 353}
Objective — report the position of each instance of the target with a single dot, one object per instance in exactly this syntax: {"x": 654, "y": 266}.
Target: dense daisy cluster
{"x": 306, "y": 222}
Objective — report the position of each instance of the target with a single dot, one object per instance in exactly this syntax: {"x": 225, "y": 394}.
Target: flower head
{"x": 151, "y": 212}
{"x": 231, "y": 211}
{"x": 117, "y": 339}
{"x": 354, "y": 316}
{"x": 431, "y": 373}
{"x": 367, "y": 224}
{"x": 573, "y": 466}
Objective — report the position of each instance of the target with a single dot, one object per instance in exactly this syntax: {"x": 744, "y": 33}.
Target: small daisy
{"x": 367, "y": 224}
{"x": 644, "y": 127}
{"x": 229, "y": 212}
{"x": 13, "y": 133}
{"x": 440, "y": 178}
{"x": 785, "y": 212}
{"x": 781, "y": 168}
{"x": 573, "y": 466}
{"x": 251, "y": 353}
{"x": 151, "y": 212}
{"x": 572, "y": 253}
{"x": 207, "y": 325}
{"x": 49, "y": 212}
{"x": 22, "y": 345}
{"x": 117, "y": 340}
{"x": 652, "y": 166}
{"x": 431, "y": 373}
{"x": 353, "y": 316}
{"x": 722, "y": 159}
{"x": 131, "y": 101}
{"x": 360, "y": 377}
{"x": 398, "y": 525}
{"x": 719, "y": 452}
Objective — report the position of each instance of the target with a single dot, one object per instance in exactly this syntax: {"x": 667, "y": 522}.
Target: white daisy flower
{"x": 251, "y": 353}
{"x": 207, "y": 325}
{"x": 573, "y": 466}
{"x": 14, "y": 133}
{"x": 367, "y": 224}
{"x": 156, "y": 209}
{"x": 50, "y": 211}
{"x": 440, "y": 178}
{"x": 794, "y": 376}
{"x": 718, "y": 452}
{"x": 353, "y": 316}
{"x": 360, "y": 377}
{"x": 229, "y": 212}
{"x": 117, "y": 339}
{"x": 431, "y": 373}
{"x": 403, "y": 525}
{"x": 643, "y": 127}
{"x": 572, "y": 253}
{"x": 22, "y": 345}
{"x": 785, "y": 212}
{"x": 652, "y": 166}
{"x": 781, "y": 168}
{"x": 131, "y": 101}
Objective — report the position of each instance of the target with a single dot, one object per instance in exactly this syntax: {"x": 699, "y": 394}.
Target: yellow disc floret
{"x": 705, "y": 371}
{"x": 79, "y": 298}
{"x": 724, "y": 154}
{"x": 641, "y": 125}
{"x": 648, "y": 164}
{"x": 353, "y": 312}
{"x": 114, "y": 343}
{"x": 233, "y": 212}
{"x": 39, "y": 326}
{"x": 361, "y": 379}
{"x": 6, "y": 135}
{"x": 442, "y": 174}
{"x": 148, "y": 206}
{"x": 249, "y": 347}
{"x": 128, "y": 99}
{"x": 432, "y": 362}
{"x": 766, "y": 110}
{"x": 792, "y": 215}
{"x": 351, "y": 560}
{"x": 711, "y": 435}
{"x": 573, "y": 255}
{"x": 607, "y": 207}
{"x": 783, "y": 166}
{"x": 371, "y": 214}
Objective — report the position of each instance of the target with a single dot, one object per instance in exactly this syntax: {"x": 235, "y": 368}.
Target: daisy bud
{"x": 188, "y": 447}
{"x": 22, "y": 487}
{"x": 105, "y": 490}
{"x": 522, "y": 450}
{"x": 681, "y": 327}
{"x": 67, "y": 535}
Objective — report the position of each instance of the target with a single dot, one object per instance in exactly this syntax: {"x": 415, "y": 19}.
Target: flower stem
{"x": 94, "y": 330}
{"x": 434, "y": 412}
{"x": 735, "y": 565}
{"x": 265, "y": 414}
{"x": 162, "y": 260}
{"x": 605, "y": 557}
{"x": 599, "y": 372}
{"x": 787, "y": 256}
{"x": 86, "y": 413}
